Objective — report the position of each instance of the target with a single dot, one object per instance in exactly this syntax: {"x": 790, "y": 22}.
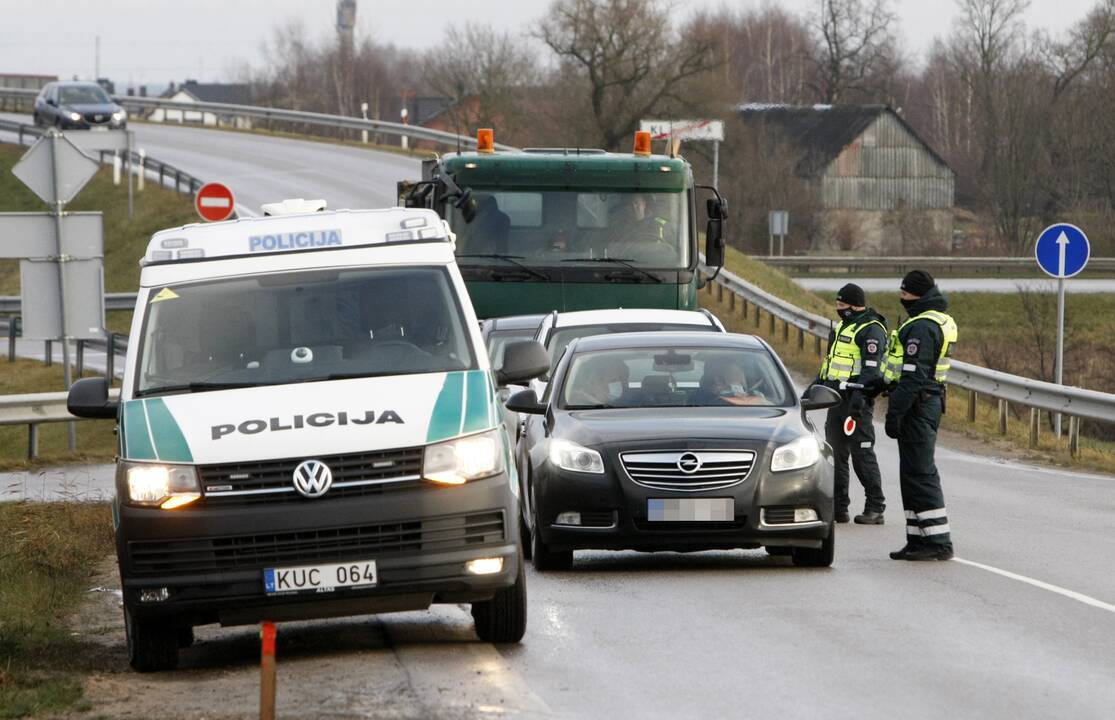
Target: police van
{"x": 308, "y": 427}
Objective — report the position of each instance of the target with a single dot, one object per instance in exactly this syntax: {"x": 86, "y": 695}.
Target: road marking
{"x": 1071, "y": 594}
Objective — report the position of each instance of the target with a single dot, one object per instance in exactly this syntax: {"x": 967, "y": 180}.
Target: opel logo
{"x": 689, "y": 463}
{"x": 312, "y": 478}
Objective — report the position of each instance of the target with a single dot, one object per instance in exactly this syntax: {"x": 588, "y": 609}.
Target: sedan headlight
{"x": 119, "y": 116}
{"x": 575, "y": 458}
{"x": 467, "y": 458}
{"x": 75, "y": 116}
{"x": 165, "y": 486}
{"x": 800, "y": 453}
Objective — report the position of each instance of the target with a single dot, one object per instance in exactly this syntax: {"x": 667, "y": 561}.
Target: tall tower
{"x": 342, "y": 74}
{"x": 346, "y": 24}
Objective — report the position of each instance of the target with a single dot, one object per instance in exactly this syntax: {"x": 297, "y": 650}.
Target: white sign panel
{"x": 684, "y": 129}
{"x": 38, "y": 166}
{"x": 779, "y": 222}
{"x": 30, "y": 235}
{"x": 85, "y": 304}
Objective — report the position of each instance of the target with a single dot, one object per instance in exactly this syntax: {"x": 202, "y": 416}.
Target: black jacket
{"x": 921, "y": 343}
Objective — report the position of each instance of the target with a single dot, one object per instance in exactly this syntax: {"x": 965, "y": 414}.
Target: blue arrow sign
{"x": 1062, "y": 250}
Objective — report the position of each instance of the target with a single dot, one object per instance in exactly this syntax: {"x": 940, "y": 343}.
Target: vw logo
{"x": 312, "y": 478}
{"x": 689, "y": 463}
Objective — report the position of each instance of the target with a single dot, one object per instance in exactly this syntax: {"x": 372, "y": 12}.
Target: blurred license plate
{"x": 691, "y": 509}
{"x": 319, "y": 578}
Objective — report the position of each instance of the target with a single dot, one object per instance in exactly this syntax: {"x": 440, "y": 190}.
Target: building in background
{"x": 877, "y": 185}
{"x": 192, "y": 91}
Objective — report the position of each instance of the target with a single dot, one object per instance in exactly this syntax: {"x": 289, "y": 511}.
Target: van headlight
{"x": 468, "y": 458}
{"x": 165, "y": 486}
{"x": 575, "y": 458}
{"x": 800, "y": 453}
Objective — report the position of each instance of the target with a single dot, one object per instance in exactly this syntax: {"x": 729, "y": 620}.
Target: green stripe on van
{"x": 170, "y": 443}
{"x": 479, "y": 402}
{"x": 445, "y": 422}
{"x": 137, "y": 442}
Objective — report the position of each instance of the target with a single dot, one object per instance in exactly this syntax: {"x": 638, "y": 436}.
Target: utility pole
{"x": 96, "y": 58}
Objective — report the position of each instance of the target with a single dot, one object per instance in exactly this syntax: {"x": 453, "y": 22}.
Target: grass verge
{"x": 49, "y": 554}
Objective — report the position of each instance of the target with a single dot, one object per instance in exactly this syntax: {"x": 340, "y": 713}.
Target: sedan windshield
{"x": 559, "y": 339}
{"x": 83, "y": 95}
{"x": 301, "y": 327}
{"x": 674, "y": 377}
{"x": 552, "y": 227}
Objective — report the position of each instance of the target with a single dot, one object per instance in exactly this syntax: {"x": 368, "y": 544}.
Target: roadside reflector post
{"x": 32, "y": 441}
{"x": 1074, "y": 436}
{"x": 116, "y": 168}
{"x": 267, "y": 671}
{"x": 973, "y": 399}
{"x": 1035, "y": 421}
{"x": 1002, "y": 416}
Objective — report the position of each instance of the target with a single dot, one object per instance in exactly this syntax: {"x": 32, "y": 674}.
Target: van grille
{"x": 242, "y": 552}
{"x": 272, "y": 480}
{"x": 688, "y": 470}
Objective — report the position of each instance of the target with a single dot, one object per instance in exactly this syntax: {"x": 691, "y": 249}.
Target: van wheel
{"x": 524, "y": 537}
{"x": 503, "y": 619}
{"x": 817, "y": 557}
{"x": 152, "y": 645}
{"x": 543, "y": 558}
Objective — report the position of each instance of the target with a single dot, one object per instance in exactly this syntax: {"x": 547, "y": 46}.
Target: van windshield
{"x": 301, "y": 327}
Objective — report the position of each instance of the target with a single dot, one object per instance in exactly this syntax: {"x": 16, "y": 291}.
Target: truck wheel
{"x": 503, "y": 619}
{"x": 152, "y": 645}
{"x": 543, "y": 558}
{"x": 817, "y": 557}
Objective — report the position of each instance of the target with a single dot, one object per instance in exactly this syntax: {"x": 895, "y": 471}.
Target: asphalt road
{"x": 965, "y": 285}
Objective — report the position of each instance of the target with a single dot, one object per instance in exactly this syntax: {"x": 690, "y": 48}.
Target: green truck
{"x": 571, "y": 229}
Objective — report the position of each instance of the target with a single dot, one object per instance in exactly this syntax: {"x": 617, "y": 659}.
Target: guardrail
{"x": 1076, "y": 403}
{"x": 272, "y": 115}
{"x": 940, "y": 264}
{"x": 35, "y": 409}
{"x": 10, "y": 304}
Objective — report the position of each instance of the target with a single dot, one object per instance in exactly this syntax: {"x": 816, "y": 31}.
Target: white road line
{"x": 1071, "y": 594}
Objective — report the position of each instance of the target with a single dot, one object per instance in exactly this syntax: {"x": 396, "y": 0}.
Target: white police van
{"x": 308, "y": 427}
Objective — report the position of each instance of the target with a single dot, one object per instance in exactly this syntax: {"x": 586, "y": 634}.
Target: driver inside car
{"x": 725, "y": 383}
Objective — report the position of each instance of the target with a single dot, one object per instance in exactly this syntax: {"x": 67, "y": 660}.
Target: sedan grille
{"x": 273, "y": 480}
{"x": 688, "y": 470}
{"x": 243, "y": 552}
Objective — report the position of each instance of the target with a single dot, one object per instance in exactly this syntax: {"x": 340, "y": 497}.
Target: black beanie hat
{"x": 853, "y": 295}
{"x": 918, "y": 282}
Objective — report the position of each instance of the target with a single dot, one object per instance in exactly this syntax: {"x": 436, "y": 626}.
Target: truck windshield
{"x": 301, "y": 327}
{"x": 549, "y": 227}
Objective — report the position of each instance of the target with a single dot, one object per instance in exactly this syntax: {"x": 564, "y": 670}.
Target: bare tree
{"x": 855, "y": 52}
{"x": 627, "y": 58}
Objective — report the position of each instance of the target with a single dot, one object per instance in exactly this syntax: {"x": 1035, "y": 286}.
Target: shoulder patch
{"x": 872, "y": 347}
{"x": 913, "y": 346}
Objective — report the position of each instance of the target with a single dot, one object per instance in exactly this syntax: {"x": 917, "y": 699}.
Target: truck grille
{"x": 243, "y": 552}
{"x": 688, "y": 470}
{"x": 272, "y": 480}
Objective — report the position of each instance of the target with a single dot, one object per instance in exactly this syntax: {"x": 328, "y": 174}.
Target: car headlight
{"x": 800, "y": 453}
{"x": 468, "y": 458}
{"x": 119, "y": 116}
{"x": 75, "y": 116}
{"x": 165, "y": 486}
{"x": 575, "y": 458}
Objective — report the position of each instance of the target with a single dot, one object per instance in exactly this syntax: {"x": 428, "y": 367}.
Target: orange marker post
{"x": 267, "y": 671}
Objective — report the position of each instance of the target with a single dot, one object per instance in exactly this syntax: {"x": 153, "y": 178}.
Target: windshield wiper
{"x": 626, "y": 262}
{"x": 197, "y": 387}
{"x": 352, "y": 376}
{"x": 513, "y": 259}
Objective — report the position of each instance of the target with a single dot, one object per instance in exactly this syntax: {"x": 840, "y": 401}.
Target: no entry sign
{"x": 214, "y": 202}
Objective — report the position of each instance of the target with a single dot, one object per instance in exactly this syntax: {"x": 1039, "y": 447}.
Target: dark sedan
{"x": 78, "y": 106}
{"x": 674, "y": 441}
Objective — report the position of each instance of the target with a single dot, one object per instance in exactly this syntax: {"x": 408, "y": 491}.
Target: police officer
{"x": 857, "y": 353}
{"x": 918, "y": 363}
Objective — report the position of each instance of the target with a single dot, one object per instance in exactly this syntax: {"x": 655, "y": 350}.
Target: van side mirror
{"x": 525, "y": 401}
{"x": 820, "y": 397}
{"x": 523, "y": 361}
{"x": 88, "y": 398}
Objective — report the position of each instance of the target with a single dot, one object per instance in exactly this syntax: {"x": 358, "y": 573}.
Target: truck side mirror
{"x": 88, "y": 398}
{"x": 467, "y": 205}
{"x": 714, "y": 242}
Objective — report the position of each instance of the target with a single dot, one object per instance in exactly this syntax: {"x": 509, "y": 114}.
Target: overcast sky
{"x": 155, "y": 41}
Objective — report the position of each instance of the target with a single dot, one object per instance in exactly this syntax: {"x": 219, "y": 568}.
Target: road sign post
{"x": 1062, "y": 251}
{"x": 214, "y": 202}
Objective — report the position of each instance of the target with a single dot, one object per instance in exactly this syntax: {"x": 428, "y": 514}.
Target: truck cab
{"x": 309, "y": 427}
{"x": 566, "y": 229}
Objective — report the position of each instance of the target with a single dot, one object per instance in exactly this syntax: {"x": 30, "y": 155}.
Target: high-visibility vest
{"x": 896, "y": 353}
{"x": 844, "y": 360}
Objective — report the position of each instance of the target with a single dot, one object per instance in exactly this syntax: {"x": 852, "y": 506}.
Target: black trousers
{"x": 927, "y": 522}
{"x": 861, "y": 447}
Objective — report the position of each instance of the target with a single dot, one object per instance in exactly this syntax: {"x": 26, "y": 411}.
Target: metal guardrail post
{"x": 1074, "y": 436}
{"x": 973, "y": 401}
{"x": 731, "y": 302}
{"x": 1003, "y": 416}
{"x": 1035, "y": 423}
{"x": 13, "y": 329}
{"x": 818, "y": 346}
{"x": 719, "y": 293}
{"x": 772, "y": 321}
{"x": 801, "y": 338}
{"x": 110, "y": 357}
{"x": 743, "y": 312}
{"x": 32, "y": 441}
{"x": 48, "y": 352}
{"x": 758, "y": 316}
{"x": 785, "y": 331}
{"x": 80, "y": 357}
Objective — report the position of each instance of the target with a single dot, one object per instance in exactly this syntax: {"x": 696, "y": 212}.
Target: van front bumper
{"x": 210, "y": 560}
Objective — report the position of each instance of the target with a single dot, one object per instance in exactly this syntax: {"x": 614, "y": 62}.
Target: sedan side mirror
{"x": 525, "y": 401}
{"x": 523, "y": 360}
{"x": 820, "y": 397}
{"x": 88, "y": 398}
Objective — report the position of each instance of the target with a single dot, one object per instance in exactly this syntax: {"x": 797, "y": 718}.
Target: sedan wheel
{"x": 817, "y": 557}
{"x": 543, "y": 557}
